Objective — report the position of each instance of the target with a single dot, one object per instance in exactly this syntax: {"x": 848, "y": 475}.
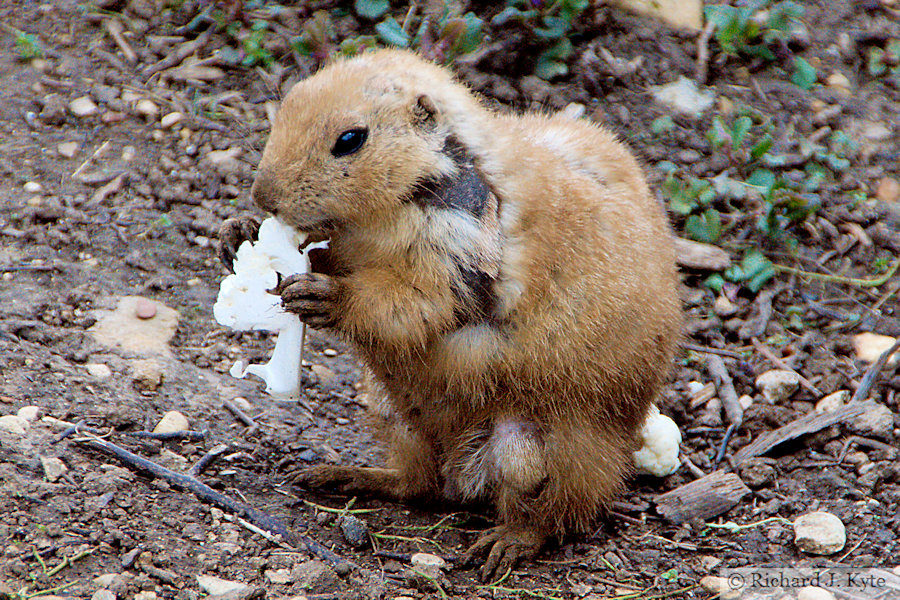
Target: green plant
{"x": 752, "y": 29}
{"x": 441, "y": 39}
{"x": 255, "y": 51}
{"x": 550, "y": 22}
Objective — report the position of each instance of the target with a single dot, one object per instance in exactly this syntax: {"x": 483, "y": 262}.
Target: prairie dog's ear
{"x": 425, "y": 110}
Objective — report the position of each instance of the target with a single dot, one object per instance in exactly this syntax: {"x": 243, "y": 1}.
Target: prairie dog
{"x": 508, "y": 280}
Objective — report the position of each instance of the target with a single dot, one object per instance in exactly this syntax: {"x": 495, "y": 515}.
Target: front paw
{"x": 311, "y": 296}
{"x": 232, "y": 234}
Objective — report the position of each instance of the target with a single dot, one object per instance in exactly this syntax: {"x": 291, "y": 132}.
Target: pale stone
{"x": 146, "y": 108}
{"x": 29, "y": 413}
{"x": 144, "y": 309}
{"x": 215, "y": 586}
{"x": 326, "y": 376}
{"x": 279, "y": 576}
{"x": 33, "y": 187}
{"x": 819, "y": 533}
{"x": 680, "y": 13}
{"x": 225, "y": 161}
{"x": 888, "y": 190}
{"x": 720, "y": 586}
{"x": 68, "y": 149}
{"x": 724, "y": 307}
{"x": 105, "y": 580}
{"x": 839, "y": 82}
{"x": 83, "y": 107}
{"x": 423, "y": 559}
{"x": 877, "y": 421}
{"x": 172, "y": 119}
{"x": 777, "y": 385}
{"x": 53, "y": 468}
{"x": 147, "y": 374}
{"x": 710, "y": 562}
{"x": 14, "y": 424}
{"x": 684, "y": 97}
{"x": 122, "y": 330}
{"x": 145, "y": 595}
{"x": 745, "y": 401}
{"x": 870, "y": 346}
{"x": 813, "y": 592}
{"x": 833, "y": 401}
{"x": 171, "y": 422}
{"x": 103, "y": 594}
{"x": 98, "y": 370}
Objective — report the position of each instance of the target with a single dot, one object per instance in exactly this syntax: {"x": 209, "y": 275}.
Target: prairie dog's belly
{"x": 509, "y": 452}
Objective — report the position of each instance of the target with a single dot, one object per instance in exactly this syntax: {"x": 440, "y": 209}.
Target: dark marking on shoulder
{"x": 476, "y": 298}
{"x": 465, "y": 191}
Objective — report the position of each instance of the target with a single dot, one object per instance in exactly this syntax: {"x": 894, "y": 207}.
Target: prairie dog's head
{"x": 350, "y": 143}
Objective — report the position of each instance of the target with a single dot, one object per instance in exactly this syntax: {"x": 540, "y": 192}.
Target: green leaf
{"x": 876, "y": 63}
{"x": 371, "y": 9}
{"x": 757, "y": 270}
{"x": 392, "y": 33}
{"x": 553, "y": 29}
{"x": 739, "y": 130}
{"x": 716, "y": 134}
{"x": 763, "y": 179}
{"x": 761, "y": 147}
{"x": 804, "y": 74}
{"x": 715, "y": 282}
{"x": 511, "y": 13}
{"x": 705, "y": 227}
{"x": 549, "y": 64}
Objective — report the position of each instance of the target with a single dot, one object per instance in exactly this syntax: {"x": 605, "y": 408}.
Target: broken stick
{"x": 210, "y": 496}
{"x": 806, "y": 424}
{"x": 704, "y": 498}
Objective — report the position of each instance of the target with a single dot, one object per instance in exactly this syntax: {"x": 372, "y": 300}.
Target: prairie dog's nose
{"x": 264, "y": 191}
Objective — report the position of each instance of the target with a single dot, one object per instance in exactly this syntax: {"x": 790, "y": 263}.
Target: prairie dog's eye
{"x": 350, "y": 141}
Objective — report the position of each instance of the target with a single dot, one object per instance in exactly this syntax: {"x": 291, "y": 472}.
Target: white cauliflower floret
{"x": 659, "y": 453}
{"x": 244, "y": 303}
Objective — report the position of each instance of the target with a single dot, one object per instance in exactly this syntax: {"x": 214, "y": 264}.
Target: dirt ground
{"x": 125, "y": 200}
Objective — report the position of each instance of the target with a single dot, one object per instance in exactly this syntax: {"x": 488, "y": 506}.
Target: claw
{"x": 232, "y": 234}
{"x": 507, "y": 546}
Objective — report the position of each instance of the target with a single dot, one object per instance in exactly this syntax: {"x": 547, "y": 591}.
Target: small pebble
{"x": 423, "y": 559}
{"x": 67, "y": 149}
{"x": 103, "y": 594}
{"x": 144, "y": 309}
{"x": 29, "y": 413}
{"x": 838, "y": 82}
{"x": 215, "y": 586}
{"x": 14, "y": 424}
{"x": 53, "y": 468}
{"x": 146, "y": 374}
{"x": 777, "y": 385}
{"x": 888, "y": 190}
{"x": 330, "y": 352}
{"x": 146, "y": 108}
{"x": 813, "y": 592}
{"x": 720, "y": 586}
{"x": 833, "y": 401}
{"x": 98, "y": 370}
{"x": 170, "y": 120}
{"x": 83, "y": 107}
{"x": 877, "y": 421}
{"x": 819, "y": 533}
{"x": 104, "y": 580}
{"x": 724, "y": 307}
{"x": 33, "y": 187}
{"x": 279, "y": 576}
{"x": 171, "y": 422}
{"x": 356, "y": 531}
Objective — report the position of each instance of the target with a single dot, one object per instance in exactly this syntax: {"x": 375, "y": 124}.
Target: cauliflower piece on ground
{"x": 244, "y": 303}
{"x": 659, "y": 454}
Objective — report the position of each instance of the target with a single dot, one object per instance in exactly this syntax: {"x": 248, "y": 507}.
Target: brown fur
{"x": 534, "y": 404}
